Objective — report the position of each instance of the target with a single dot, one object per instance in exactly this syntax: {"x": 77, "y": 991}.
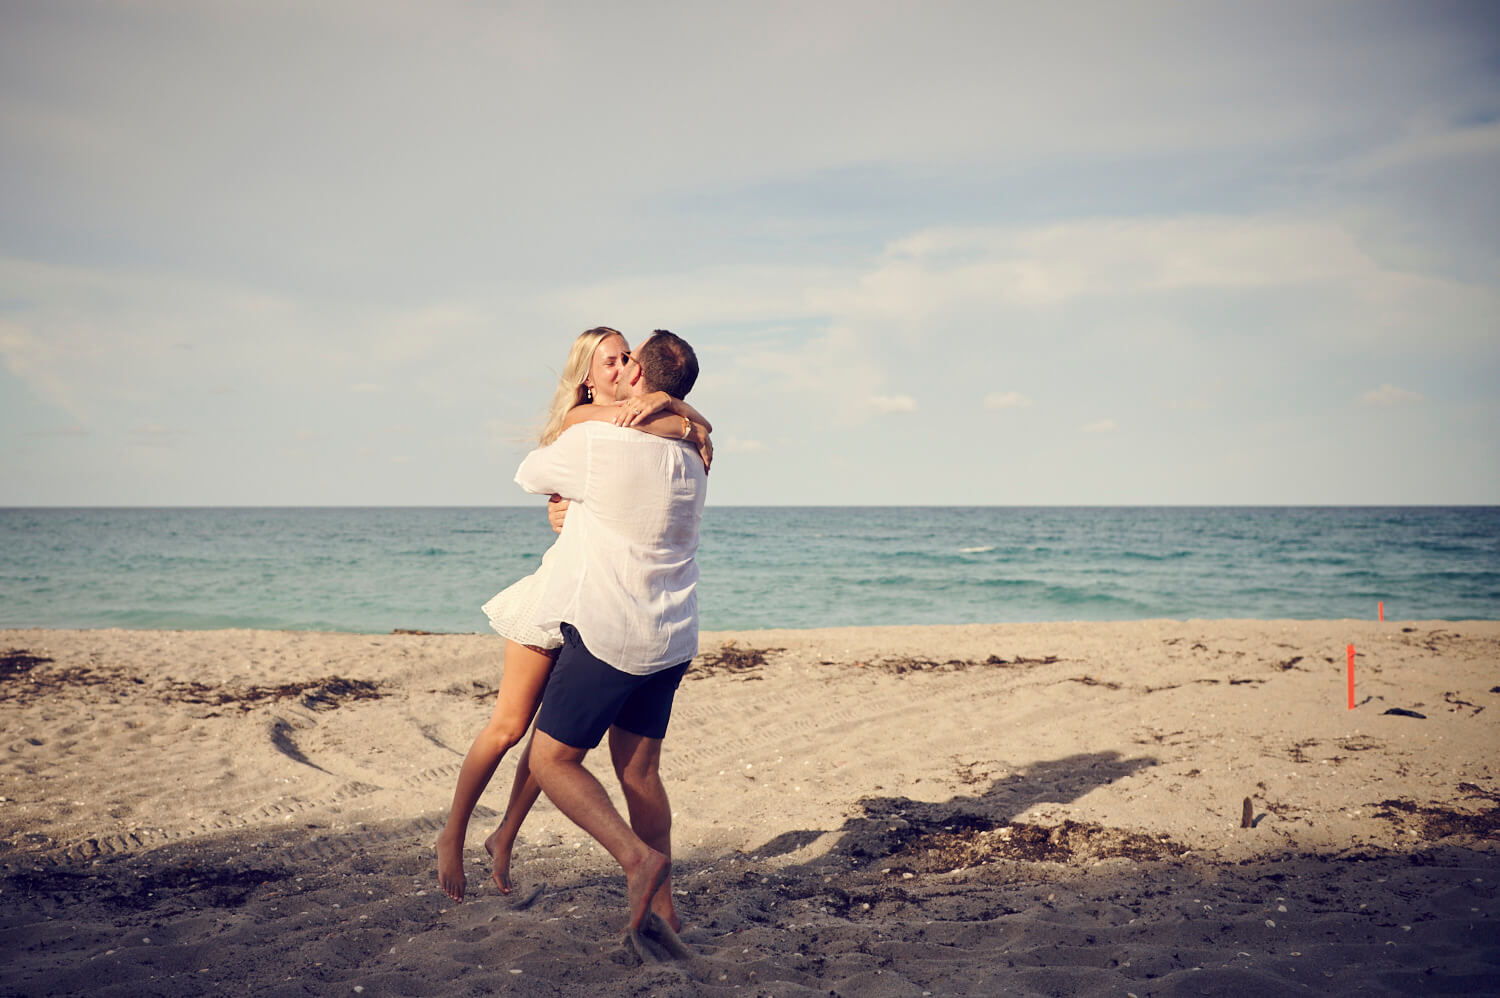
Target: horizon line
{"x": 532, "y": 506}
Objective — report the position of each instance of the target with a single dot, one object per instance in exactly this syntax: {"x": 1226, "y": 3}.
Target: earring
{"x": 589, "y": 391}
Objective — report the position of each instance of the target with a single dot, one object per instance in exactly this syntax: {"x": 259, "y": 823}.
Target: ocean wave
{"x": 1165, "y": 556}
{"x": 1006, "y": 583}
{"x": 933, "y": 557}
{"x": 371, "y": 570}
{"x": 873, "y": 581}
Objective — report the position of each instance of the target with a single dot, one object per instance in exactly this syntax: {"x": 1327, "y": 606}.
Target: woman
{"x": 586, "y": 391}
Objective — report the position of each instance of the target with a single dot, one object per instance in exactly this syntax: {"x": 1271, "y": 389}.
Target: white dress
{"x": 514, "y": 610}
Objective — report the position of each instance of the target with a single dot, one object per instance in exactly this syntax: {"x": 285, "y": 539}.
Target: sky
{"x": 333, "y": 252}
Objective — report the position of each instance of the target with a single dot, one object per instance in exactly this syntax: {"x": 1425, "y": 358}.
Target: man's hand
{"x": 557, "y": 512}
{"x": 705, "y": 446}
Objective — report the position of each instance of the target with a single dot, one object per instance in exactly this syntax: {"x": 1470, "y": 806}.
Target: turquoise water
{"x": 372, "y": 570}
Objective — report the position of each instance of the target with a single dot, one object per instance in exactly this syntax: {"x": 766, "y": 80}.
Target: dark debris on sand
{"x": 123, "y": 888}
{"x": 934, "y": 841}
{"x": 1068, "y": 842}
{"x": 315, "y": 694}
{"x": 17, "y": 662}
{"x": 745, "y": 663}
{"x": 905, "y": 664}
{"x": 733, "y": 661}
{"x": 1438, "y": 821}
{"x": 24, "y": 678}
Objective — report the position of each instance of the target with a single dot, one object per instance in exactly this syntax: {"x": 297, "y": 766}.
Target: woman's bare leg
{"x": 523, "y": 794}
{"x": 521, "y": 684}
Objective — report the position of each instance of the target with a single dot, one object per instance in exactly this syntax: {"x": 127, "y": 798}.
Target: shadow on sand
{"x": 967, "y": 830}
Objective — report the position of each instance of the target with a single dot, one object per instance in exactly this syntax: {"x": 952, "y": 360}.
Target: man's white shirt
{"x": 623, "y": 570}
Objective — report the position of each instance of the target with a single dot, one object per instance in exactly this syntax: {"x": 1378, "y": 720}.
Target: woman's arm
{"x": 660, "y": 424}
{"x": 632, "y": 411}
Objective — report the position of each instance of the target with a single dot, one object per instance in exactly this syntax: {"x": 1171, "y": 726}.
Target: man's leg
{"x": 559, "y": 769}
{"x": 637, "y": 761}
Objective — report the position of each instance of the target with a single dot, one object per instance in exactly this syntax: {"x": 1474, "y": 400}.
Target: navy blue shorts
{"x": 585, "y": 696}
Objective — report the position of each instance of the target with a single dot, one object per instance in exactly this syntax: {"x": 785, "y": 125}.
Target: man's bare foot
{"x": 658, "y": 929}
{"x": 450, "y": 857}
{"x": 635, "y": 942}
{"x": 500, "y": 852}
{"x": 662, "y": 907}
{"x": 642, "y": 884}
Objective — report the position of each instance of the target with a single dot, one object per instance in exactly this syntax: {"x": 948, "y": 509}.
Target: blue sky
{"x": 952, "y": 253}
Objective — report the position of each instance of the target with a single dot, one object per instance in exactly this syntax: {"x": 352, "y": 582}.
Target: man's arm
{"x": 559, "y": 468}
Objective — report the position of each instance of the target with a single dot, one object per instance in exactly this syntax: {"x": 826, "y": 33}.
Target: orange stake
{"x": 1382, "y": 611}
{"x": 1351, "y": 677}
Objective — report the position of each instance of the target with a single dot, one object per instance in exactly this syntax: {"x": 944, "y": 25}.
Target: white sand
{"x": 856, "y": 816}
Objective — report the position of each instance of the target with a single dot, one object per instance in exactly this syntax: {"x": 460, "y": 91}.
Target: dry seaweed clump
{"x": 315, "y": 694}
{"x": 732, "y": 660}
{"x": 17, "y": 662}
{"x": 904, "y": 664}
{"x": 1438, "y": 821}
{"x": 25, "y": 677}
{"x": 1073, "y": 842}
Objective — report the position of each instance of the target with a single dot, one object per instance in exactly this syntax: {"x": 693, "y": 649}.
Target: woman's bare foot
{"x": 450, "y": 857}
{"x": 499, "y": 849}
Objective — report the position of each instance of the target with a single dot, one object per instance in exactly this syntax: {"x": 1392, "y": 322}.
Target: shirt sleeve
{"x": 561, "y": 467}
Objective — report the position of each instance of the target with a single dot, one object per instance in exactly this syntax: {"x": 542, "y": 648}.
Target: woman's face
{"x": 604, "y": 370}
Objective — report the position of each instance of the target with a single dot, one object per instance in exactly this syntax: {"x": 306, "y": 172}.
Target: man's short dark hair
{"x": 668, "y": 363}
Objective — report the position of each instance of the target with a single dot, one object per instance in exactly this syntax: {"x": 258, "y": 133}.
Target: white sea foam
{"x": 978, "y": 550}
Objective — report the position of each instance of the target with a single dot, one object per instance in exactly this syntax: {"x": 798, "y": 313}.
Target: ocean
{"x": 376, "y": 569}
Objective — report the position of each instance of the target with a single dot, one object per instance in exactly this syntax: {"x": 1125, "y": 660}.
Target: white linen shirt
{"x": 624, "y": 572}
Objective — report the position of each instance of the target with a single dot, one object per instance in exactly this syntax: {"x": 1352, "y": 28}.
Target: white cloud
{"x": 1006, "y": 400}
{"x": 1436, "y": 143}
{"x": 65, "y": 431}
{"x": 1390, "y": 395}
{"x": 1100, "y": 426}
{"x": 893, "y": 403}
{"x": 831, "y": 239}
{"x": 735, "y": 445}
{"x": 1048, "y": 265}
{"x": 35, "y": 360}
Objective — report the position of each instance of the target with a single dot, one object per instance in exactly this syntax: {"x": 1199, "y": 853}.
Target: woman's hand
{"x": 632, "y": 411}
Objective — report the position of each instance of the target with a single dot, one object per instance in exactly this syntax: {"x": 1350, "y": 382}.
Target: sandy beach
{"x": 1044, "y": 809}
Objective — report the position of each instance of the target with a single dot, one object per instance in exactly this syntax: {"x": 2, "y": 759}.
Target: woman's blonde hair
{"x": 570, "y": 387}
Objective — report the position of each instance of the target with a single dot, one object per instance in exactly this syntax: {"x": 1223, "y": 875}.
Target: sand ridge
{"x": 1026, "y": 809}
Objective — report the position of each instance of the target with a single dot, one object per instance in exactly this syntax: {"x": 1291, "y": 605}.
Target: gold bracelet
{"x": 687, "y": 427}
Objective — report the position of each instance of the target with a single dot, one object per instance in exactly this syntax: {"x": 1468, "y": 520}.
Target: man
{"x": 623, "y": 594}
